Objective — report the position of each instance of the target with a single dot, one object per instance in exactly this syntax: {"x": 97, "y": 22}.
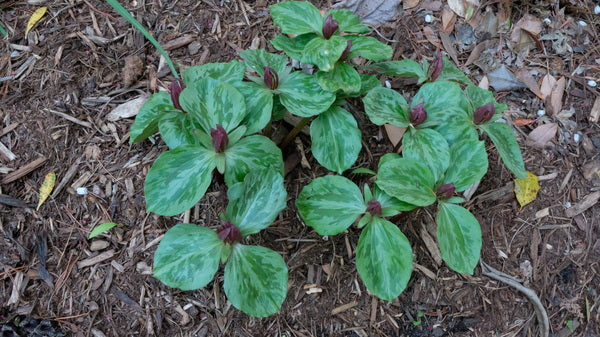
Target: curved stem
{"x": 295, "y": 131}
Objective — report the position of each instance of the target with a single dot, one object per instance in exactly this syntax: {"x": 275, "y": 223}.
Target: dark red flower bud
{"x": 329, "y": 27}
{"x": 446, "y": 191}
{"x": 229, "y": 233}
{"x": 346, "y": 52}
{"x": 177, "y": 87}
{"x": 418, "y": 114}
{"x": 374, "y": 207}
{"x": 271, "y": 78}
{"x": 435, "y": 68}
{"x": 219, "y": 138}
{"x": 483, "y": 113}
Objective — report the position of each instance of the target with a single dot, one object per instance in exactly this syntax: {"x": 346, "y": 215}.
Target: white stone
{"x": 592, "y": 83}
{"x": 82, "y": 190}
{"x": 428, "y": 18}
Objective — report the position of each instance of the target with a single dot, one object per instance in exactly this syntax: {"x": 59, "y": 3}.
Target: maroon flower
{"x": 219, "y": 138}
{"x": 229, "y": 233}
{"x": 374, "y": 207}
{"x": 483, "y": 113}
{"x": 418, "y": 114}
{"x": 446, "y": 191}
{"x": 177, "y": 87}
{"x": 271, "y": 78}
{"x": 435, "y": 68}
{"x": 329, "y": 27}
{"x": 346, "y": 52}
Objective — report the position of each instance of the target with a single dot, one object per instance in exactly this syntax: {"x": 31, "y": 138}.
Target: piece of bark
{"x": 179, "y": 42}
{"x": 96, "y": 259}
{"x": 22, "y": 171}
{"x": 587, "y": 202}
{"x": 7, "y": 153}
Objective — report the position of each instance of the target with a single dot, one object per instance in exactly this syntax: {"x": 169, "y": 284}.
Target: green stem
{"x": 295, "y": 131}
{"x": 269, "y": 128}
{"x": 124, "y": 13}
{"x": 3, "y": 32}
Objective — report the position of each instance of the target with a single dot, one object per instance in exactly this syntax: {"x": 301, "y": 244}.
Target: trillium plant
{"x": 215, "y": 121}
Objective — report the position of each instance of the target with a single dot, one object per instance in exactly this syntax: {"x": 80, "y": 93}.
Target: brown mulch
{"x": 72, "y": 76}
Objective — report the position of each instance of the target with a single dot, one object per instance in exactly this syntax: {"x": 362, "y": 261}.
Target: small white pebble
{"x": 82, "y": 190}
{"x": 597, "y": 9}
{"x": 428, "y": 18}
{"x": 582, "y": 23}
{"x": 187, "y": 306}
{"x": 325, "y": 237}
{"x": 15, "y": 54}
{"x": 547, "y": 20}
{"x": 388, "y": 84}
{"x": 592, "y": 83}
{"x": 567, "y": 204}
{"x": 540, "y": 113}
{"x": 576, "y": 138}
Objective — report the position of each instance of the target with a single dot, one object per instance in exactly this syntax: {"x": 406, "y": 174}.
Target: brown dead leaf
{"x": 557, "y": 94}
{"x": 431, "y": 36}
{"x": 408, "y": 4}
{"x": 484, "y": 83}
{"x": 523, "y": 121}
{"x": 525, "y": 76}
{"x": 134, "y": 68}
{"x": 595, "y": 113}
{"x": 529, "y": 23}
{"x": 548, "y": 83}
{"x": 591, "y": 172}
{"x": 541, "y": 135}
{"x": 448, "y": 20}
{"x": 127, "y": 109}
{"x": 394, "y": 133}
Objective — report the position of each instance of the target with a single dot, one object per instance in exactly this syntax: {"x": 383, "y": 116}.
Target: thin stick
{"x": 295, "y": 131}
{"x": 540, "y": 312}
{"x": 22, "y": 171}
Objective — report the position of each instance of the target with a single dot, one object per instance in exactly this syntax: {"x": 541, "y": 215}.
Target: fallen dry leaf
{"x": 523, "y": 121}
{"x": 541, "y": 135}
{"x": 484, "y": 83}
{"x": 448, "y": 20}
{"x": 548, "y": 83}
{"x": 529, "y": 23}
{"x": 127, "y": 109}
{"x": 431, "y": 36}
{"x": 394, "y": 133}
{"x": 35, "y": 17}
{"x": 556, "y": 95}
{"x": 408, "y": 4}
{"x": 526, "y": 189}
{"x": 525, "y": 76}
{"x": 46, "y": 188}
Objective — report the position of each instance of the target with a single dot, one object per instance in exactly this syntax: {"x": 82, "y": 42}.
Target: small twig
{"x": 22, "y": 171}
{"x": 70, "y": 118}
{"x": 540, "y": 311}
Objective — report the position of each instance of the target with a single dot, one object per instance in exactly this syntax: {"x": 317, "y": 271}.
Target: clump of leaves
{"x": 255, "y": 277}
{"x": 202, "y": 124}
{"x": 328, "y": 41}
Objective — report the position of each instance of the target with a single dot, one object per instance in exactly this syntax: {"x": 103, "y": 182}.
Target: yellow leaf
{"x": 35, "y": 17}
{"x": 526, "y": 189}
{"x": 47, "y": 187}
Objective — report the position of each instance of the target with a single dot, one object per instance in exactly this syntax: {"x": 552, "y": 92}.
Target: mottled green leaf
{"x": 324, "y": 53}
{"x": 468, "y": 164}
{"x": 293, "y": 47}
{"x": 348, "y": 21}
{"x": 342, "y": 77}
{"x": 259, "y": 105}
{"x": 451, "y": 73}
{"x": 407, "y": 180}
{"x": 336, "y": 139}
{"x": 330, "y": 204}
{"x": 447, "y": 104}
{"x": 297, "y": 17}
{"x": 384, "y": 105}
{"x": 178, "y": 179}
{"x": 101, "y": 228}
{"x": 506, "y": 143}
{"x": 187, "y": 257}
{"x": 302, "y": 95}
{"x": 402, "y": 68}
{"x": 256, "y": 280}
{"x": 257, "y": 59}
{"x": 250, "y": 154}
{"x": 390, "y": 206}
{"x": 146, "y": 121}
{"x": 232, "y": 71}
{"x": 256, "y": 202}
{"x": 368, "y": 47}
{"x": 384, "y": 259}
{"x": 459, "y": 237}
{"x": 367, "y": 83}
{"x": 429, "y": 147}
{"x": 178, "y": 129}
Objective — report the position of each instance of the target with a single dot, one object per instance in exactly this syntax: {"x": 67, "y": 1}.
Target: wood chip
{"x": 96, "y": 259}
{"x": 542, "y": 213}
{"x": 8, "y": 129}
{"x": 344, "y": 307}
{"x": 65, "y": 180}
{"x": 70, "y": 118}
{"x": 7, "y": 153}
{"x": 179, "y": 42}
{"x": 22, "y": 171}
{"x": 587, "y": 202}
{"x": 425, "y": 271}
{"x": 595, "y": 113}
{"x": 431, "y": 245}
